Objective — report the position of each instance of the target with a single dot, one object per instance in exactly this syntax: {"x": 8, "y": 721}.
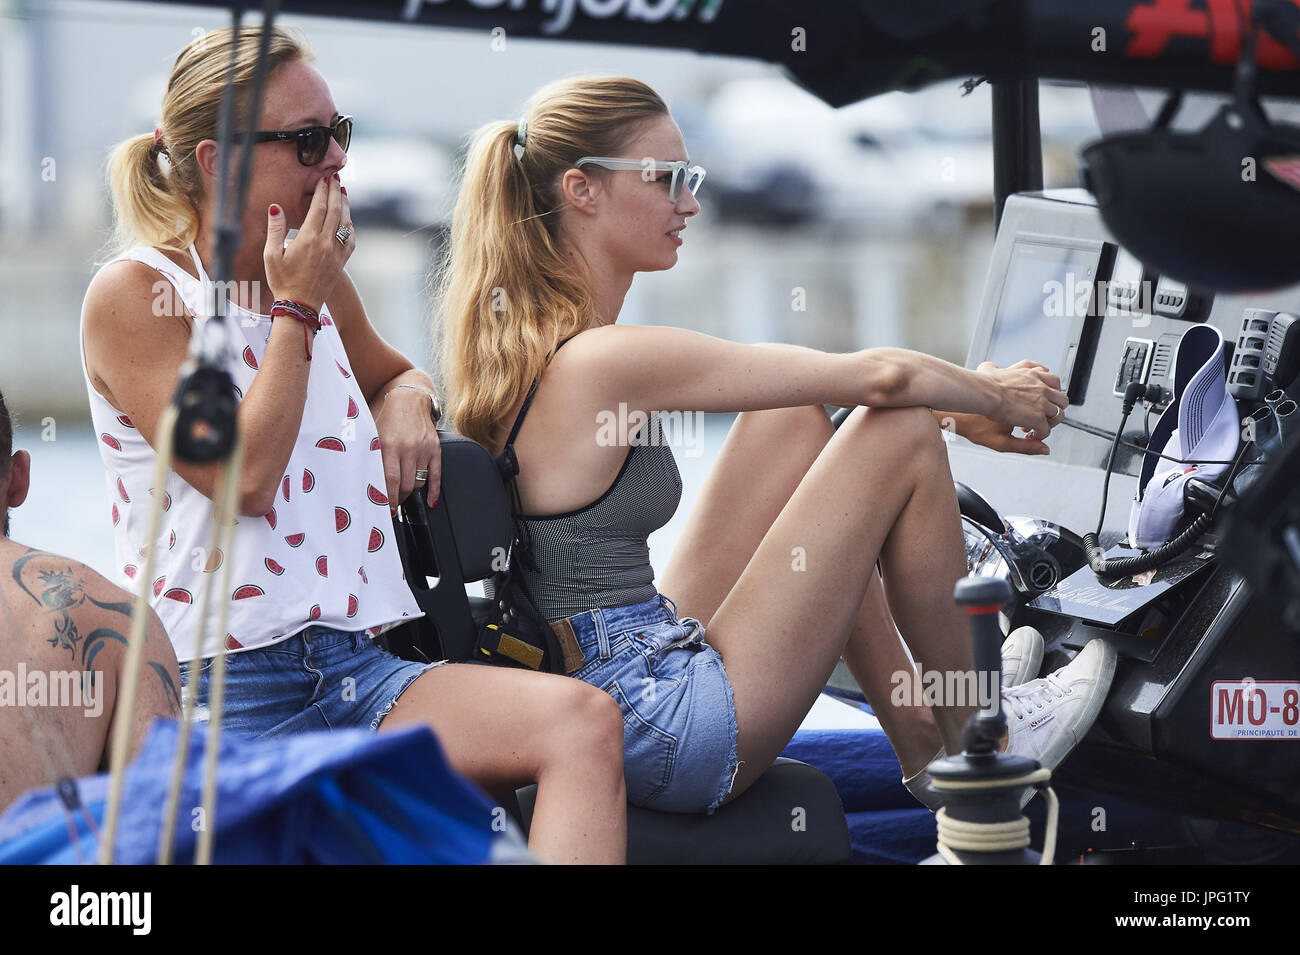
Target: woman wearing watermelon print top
{"x": 334, "y": 429}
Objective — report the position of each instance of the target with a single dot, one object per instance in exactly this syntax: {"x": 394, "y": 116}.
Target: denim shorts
{"x": 679, "y": 718}
{"x": 318, "y": 679}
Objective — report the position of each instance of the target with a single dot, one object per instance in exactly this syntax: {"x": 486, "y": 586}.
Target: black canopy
{"x": 845, "y": 50}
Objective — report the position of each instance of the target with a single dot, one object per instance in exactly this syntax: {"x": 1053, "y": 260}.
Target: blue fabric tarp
{"x": 886, "y": 825}
{"x": 344, "y": 796}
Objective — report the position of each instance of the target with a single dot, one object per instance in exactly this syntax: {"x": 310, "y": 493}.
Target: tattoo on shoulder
{"x": 61, "y": 592}
{"x": 97, "y": 640}
{"x": 169, "y": 688}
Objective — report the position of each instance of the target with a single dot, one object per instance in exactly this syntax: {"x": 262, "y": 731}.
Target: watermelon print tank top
{"x": 322, "y": 555}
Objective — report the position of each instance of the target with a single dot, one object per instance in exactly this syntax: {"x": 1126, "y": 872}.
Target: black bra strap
{"x": 528, "y": 401}
{"x": 509, "y": 466}
{"x": 519, "y": 418}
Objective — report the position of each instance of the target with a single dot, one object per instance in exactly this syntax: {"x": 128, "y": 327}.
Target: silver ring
{"x": 422, "y": 474}
{"x": 343, "y": 235}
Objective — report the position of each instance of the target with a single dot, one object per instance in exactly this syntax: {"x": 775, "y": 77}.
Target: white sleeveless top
{"x": 323, "y": 555}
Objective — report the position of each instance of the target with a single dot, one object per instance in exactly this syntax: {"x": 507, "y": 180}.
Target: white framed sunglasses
{"x": 684, "y": 174}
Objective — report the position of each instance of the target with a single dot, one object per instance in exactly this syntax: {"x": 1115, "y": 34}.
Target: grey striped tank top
{"x": 597, "y": 556}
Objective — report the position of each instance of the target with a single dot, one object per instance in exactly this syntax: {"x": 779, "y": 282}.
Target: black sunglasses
{"x": 313, "y": 141}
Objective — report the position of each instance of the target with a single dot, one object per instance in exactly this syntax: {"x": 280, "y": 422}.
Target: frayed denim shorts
{"x": 318, "y": 679}
{"x": 679, "y": 717}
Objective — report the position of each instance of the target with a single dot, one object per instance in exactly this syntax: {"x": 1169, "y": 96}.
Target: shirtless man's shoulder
{"x": 66, "y": 630}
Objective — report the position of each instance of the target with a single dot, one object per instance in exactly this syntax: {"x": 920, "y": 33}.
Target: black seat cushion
{"x": 791, "y": 815}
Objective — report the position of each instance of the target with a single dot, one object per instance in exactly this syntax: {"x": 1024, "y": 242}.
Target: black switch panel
{"x": 1282, "y": 350}
{"x": 1135, "y": 363}
{"x": 1246, "y": 374}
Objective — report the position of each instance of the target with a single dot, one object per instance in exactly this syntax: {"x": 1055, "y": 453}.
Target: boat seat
{"x": 791, "y": 814}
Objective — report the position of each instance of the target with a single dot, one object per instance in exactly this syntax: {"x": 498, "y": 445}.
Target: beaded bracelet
{"x": 303, "y": 313}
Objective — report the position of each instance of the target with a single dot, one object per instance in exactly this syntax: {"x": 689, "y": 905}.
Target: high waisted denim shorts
{"x": 679, "y": 718}
{"x": 318, "y": 679}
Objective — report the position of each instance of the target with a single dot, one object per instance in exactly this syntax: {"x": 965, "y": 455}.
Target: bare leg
{"x": 873, "y": 659}
{"x": 881, "y": 487}
{"x": 746, "y": 489}
{"x": 507, "y": 728}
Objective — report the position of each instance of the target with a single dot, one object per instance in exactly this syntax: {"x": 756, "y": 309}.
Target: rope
{"x": 125, "y": 715}
{"x": 226, "y": 508}
{"x": 959, "y": 835}
{"x": 227, "y": 493}
{"x": 222, "y": 538}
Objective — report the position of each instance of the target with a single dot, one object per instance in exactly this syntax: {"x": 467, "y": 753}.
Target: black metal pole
{"x": 1017, "y": 141}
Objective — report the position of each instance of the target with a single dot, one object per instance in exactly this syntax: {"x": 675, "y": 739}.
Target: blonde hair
{"x": 156, "y": 200}
{"x": 506, "y": 293}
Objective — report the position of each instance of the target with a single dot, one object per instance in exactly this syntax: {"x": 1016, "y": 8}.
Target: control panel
{"x": 1063, "y": 293}
{"x": 1175, "y": 300}
{"x": 1266, "y": 354}
{"x": 1135, "y": 365}
{"x": 1282, "y": 349}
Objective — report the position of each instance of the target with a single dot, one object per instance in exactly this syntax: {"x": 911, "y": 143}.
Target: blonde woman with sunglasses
{"x": 774, "y": 579}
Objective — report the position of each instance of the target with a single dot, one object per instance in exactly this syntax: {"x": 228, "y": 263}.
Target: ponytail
{"x": 147, "y": 210}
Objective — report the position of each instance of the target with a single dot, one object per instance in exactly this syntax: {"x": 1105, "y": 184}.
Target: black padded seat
{"x": 762, "y": 826}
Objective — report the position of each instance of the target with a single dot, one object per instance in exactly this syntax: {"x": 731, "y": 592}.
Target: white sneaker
{"x": 921, "y": 789}
{"x": 1022, "y": 657}
{"x": 1047, "y": 718}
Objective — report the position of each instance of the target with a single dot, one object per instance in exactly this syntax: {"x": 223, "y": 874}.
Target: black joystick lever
{"x": 983, "y": 598}
{"x": 980, "y": 821}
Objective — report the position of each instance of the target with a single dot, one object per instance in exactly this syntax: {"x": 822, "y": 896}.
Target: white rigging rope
{"x": 221, "y": 540}
{"x": 959, "y": 835}
{"x": 128, "y": 687}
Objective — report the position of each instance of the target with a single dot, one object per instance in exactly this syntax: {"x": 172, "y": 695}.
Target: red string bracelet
{"x": 303, "y": 313}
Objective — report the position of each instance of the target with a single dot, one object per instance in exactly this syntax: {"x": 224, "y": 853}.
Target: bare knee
{"x": 798, "y": 421}
{"x": 785, "y": 427}
{"x": 907, "y": 433}
{"x": 586, "y": 724}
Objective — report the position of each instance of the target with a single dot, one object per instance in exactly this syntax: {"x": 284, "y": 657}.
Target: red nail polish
{"x": 343, "y": 189}
{"x": 435, "y": 504}
{"x": 336, "y": 176}
{"x": 275, "y": 210}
